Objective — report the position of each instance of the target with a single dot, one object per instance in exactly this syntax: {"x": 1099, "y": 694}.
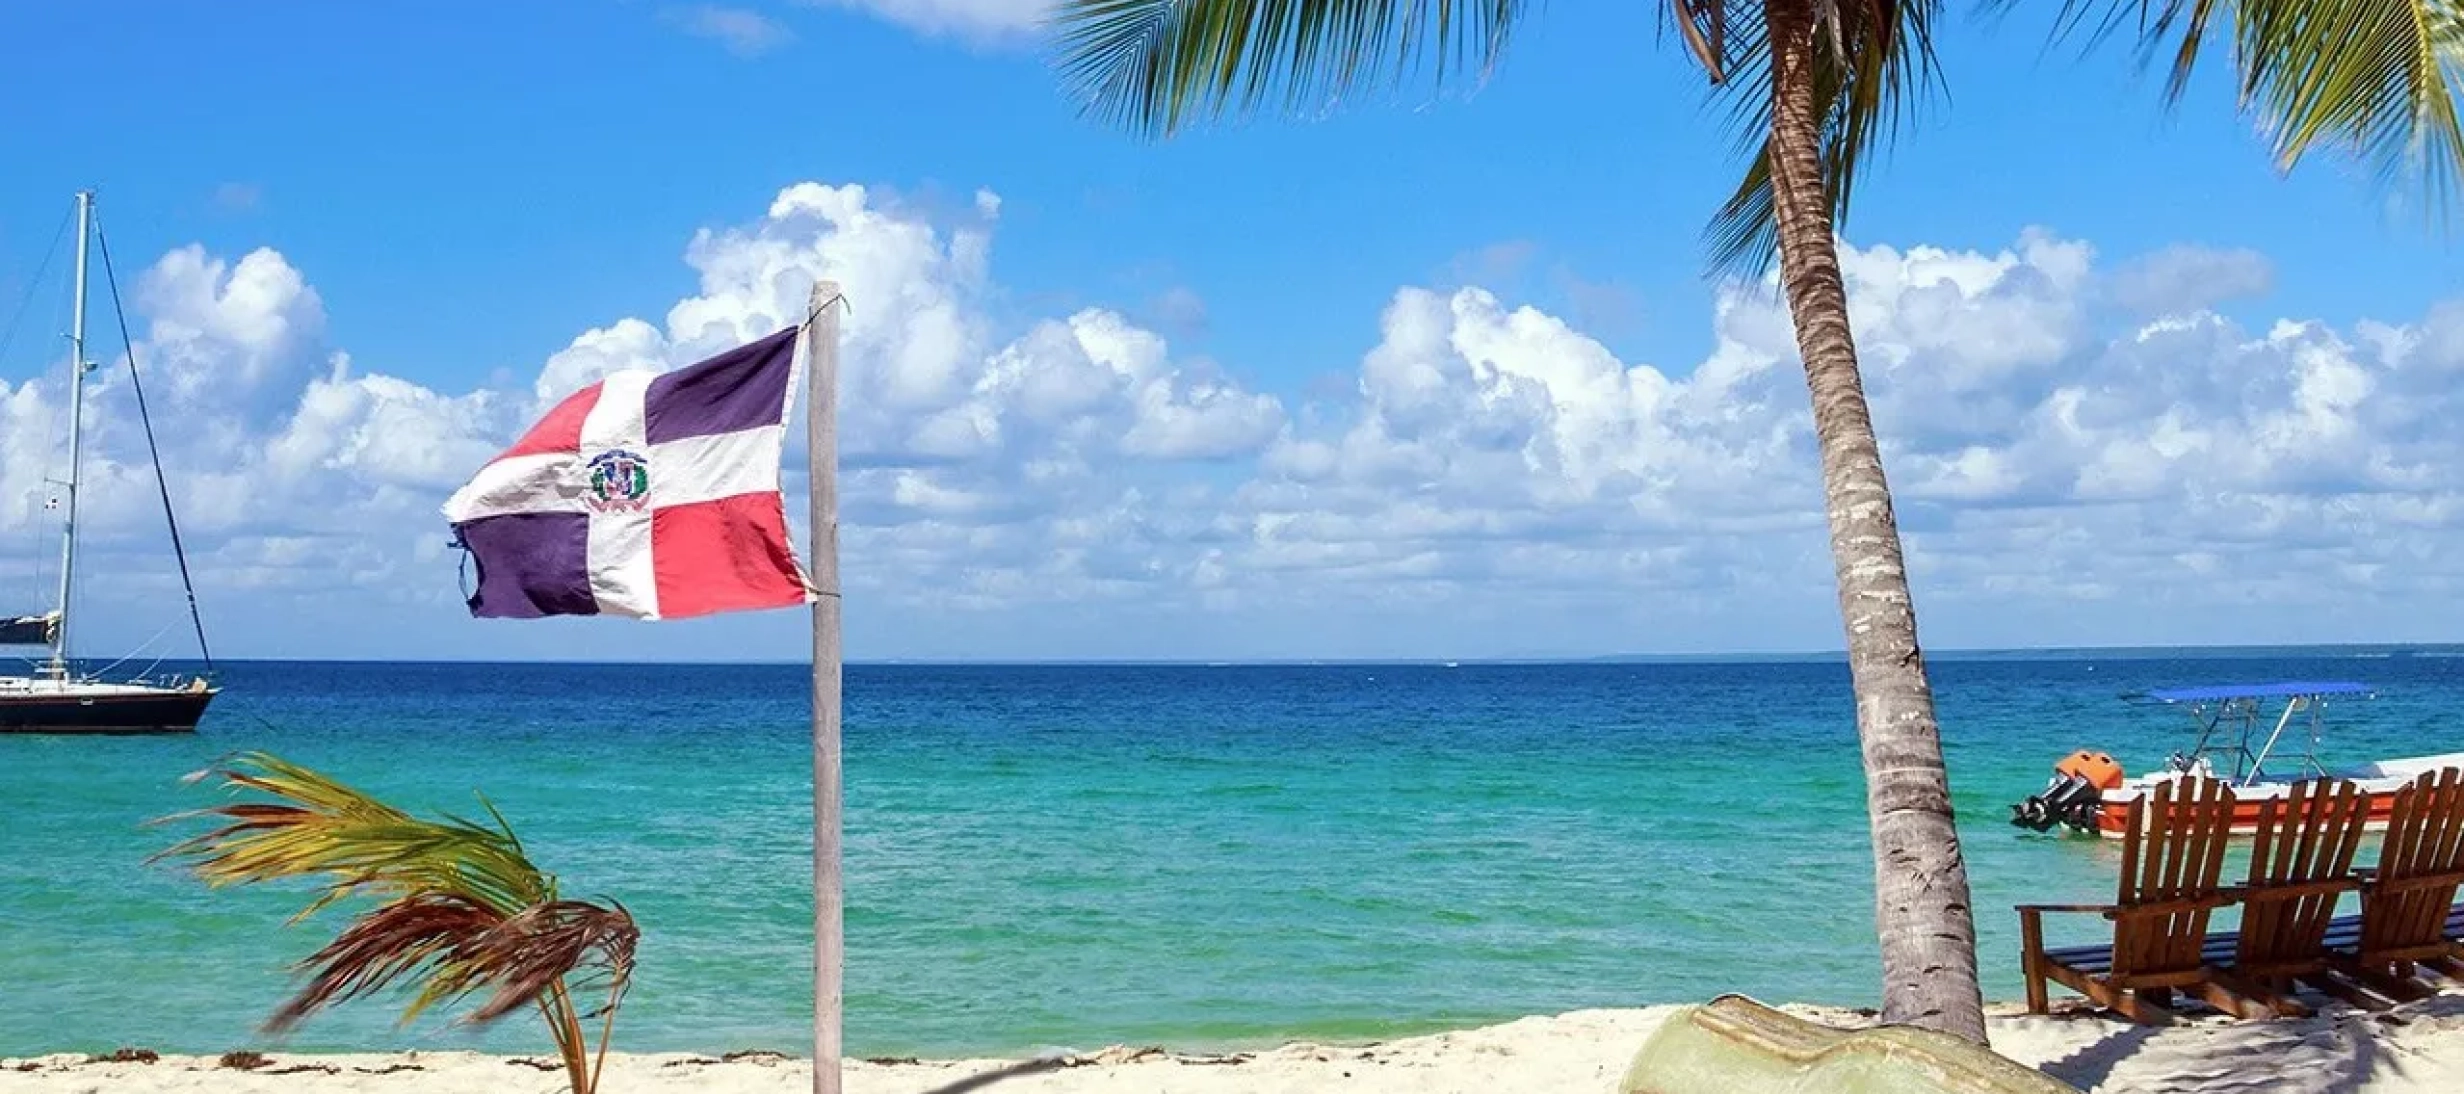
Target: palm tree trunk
{"x": 1920, "y": 879}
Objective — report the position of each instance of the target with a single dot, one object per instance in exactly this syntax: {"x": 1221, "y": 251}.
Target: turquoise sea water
{"x": 1076, "y": 856}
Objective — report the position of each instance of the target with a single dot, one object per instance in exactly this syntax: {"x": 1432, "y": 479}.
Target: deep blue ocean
{"x": 1082, "y": 855}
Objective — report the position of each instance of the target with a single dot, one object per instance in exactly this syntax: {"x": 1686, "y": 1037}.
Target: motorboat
{"x": 2238, "y": 742}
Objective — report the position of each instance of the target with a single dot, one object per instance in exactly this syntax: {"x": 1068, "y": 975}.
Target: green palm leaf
{"x": 1158, "y": 67}
{"x": 320, "y": 826}
{"x": 2374, "y": 79}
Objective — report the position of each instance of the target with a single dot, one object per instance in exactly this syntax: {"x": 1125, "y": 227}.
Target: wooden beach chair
{"x": 2408, "y": 898}
{"x": 2301, "y": 862}
{"x": 2172, "y": 854}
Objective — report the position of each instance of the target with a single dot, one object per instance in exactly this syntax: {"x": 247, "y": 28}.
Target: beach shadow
{"x": 2094, "y": 1062}
{"x": 2336, "y": 1052}
{"x": 1018, "y": 1070}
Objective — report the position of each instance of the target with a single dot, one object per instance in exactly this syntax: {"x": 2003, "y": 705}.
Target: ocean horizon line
{"x": 2353, "y": 650}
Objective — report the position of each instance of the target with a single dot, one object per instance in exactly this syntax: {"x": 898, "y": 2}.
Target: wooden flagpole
{"x": 829, "y": 895}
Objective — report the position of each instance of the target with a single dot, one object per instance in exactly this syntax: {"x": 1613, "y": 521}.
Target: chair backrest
{"x": 2301, "y": 860}
{"x": 2404, "y": 906}
{"x": 2172, "y": 854}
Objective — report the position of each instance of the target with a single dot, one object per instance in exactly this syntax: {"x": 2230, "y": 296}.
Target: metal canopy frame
{"x": 2238, "y": 710}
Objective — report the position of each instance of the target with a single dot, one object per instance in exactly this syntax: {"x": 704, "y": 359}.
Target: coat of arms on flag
{"x": 648, "y": 495}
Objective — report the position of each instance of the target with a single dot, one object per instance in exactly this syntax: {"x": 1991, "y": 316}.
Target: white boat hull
{"x": 2378, "y": 780}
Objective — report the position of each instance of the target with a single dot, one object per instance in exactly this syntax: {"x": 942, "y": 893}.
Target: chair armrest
{"x": 2424, "y": 881}
{"x": 2183, "y": 905}
{"x": 2024, "y": 909}
{"x": 2270, "y": 892}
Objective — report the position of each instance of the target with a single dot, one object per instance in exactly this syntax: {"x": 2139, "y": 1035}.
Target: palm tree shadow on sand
{"x": 2334, "y": 1053}
{"x": 1058, "y": 1060}
{"x": 1018, "y": 1070}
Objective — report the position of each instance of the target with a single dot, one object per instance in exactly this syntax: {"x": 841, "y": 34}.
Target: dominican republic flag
{"x": 649, "y": 495}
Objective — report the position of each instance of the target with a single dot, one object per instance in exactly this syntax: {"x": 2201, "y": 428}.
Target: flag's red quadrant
{"x": 726, "y": 555}
{"x": 560, "y": 430}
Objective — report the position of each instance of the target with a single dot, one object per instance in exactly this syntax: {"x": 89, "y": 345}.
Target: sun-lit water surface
{"x": 1075, "y": 856}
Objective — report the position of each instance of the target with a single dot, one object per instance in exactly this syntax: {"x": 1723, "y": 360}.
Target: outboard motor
{"x": 2071, "y": 797}
{"x": 2067, "y": 799}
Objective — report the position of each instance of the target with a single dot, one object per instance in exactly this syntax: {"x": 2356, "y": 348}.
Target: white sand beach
{"x": 2414, "y": 1048}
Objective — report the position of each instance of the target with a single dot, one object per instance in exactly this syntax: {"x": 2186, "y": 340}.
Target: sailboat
{"x": 55, "y": 697}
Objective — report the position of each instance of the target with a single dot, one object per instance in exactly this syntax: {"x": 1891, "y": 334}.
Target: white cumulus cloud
{"x": 2186, "y": 277}
{"x": 743, "y": 31}
{"x": 971, "y": 20}
{"x": 2082, "y": 453}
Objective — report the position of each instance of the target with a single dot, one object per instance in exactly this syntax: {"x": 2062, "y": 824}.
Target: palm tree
{"x": 1822, "y": 82}
{"x": 462, "y": 910}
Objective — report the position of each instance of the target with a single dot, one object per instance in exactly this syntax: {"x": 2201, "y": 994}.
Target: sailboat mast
{"x": 76, "y": 433}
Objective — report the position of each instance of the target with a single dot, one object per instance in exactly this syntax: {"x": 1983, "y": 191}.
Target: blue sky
{"x": 459, "y": 194}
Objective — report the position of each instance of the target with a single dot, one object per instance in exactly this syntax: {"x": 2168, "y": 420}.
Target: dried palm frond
{"x": 543, "y": 947}
{"x": 413, "y": 936}
{"x": 463, "y": 912}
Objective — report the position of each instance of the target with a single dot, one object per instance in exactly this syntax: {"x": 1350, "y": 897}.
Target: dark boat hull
{"x": 163, "y": 712}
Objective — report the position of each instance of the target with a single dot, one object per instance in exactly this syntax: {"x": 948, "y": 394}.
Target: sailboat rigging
{"x": 56, "y": 697}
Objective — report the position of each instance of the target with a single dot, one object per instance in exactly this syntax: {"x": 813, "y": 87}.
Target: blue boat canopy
{"x": 2287, "y": 690}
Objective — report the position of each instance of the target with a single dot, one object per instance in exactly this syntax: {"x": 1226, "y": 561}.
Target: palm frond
{"x": 321, "y": 827}
{"x": 1159, "y": 66}
{"x": 574, "y": 942}
{"x": 457, "y": 948}
{"x": 410, "y": 936}
{"x": 465, "y": 912}
{"x": 1873, "y": 66}
{"x": 1704, "y": 26}
{"x": 2376, "y": 79}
